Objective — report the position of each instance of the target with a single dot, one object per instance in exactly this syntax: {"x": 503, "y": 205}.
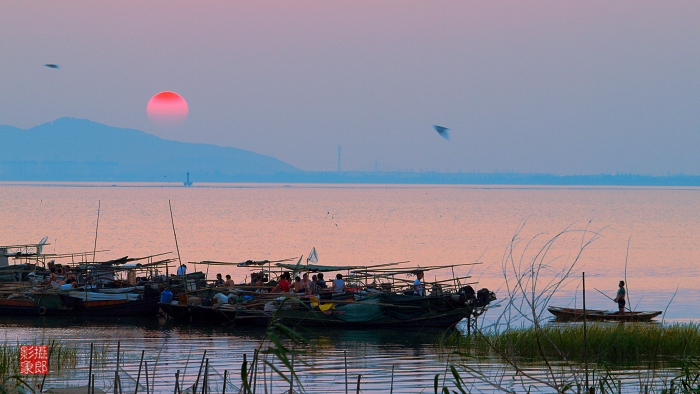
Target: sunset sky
{"x": 559, "y": 87}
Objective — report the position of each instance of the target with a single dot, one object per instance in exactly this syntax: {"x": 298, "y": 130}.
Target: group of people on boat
{"x": 220, "y": 282}
{"x": 303, "y": 285}
{"x": 67, "y": 280}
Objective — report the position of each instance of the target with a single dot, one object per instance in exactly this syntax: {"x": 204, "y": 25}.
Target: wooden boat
{"x": 387, "y": 310}
{"x": 571, "y": 314}
{"x": 77, "y": 303}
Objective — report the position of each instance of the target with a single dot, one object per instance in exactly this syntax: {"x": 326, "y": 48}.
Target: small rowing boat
{"x": 571, "y": 314}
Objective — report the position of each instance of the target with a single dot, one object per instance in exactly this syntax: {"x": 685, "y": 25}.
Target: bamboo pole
{"x": 90, "y": 368}
{"x": 97, "y": 225}
{"x": 223, "y": 391}
{"x": 145, "y": 369}
{"x": 345, "y": 357}
{"x": 177, "y": 381}
{"x": 358, "y": 384}
{"x": 291, "y": 377}
{"x": 391, "y": 387}
{"x": 138, "y": 377}
{"x": 199, "y": 374}
{"x": 255, "y": 369}
{"x": 585, "y": 339}
{"x": 116, "y": 371}
{"x": 205, "y": 380}
{"x": 172, "y": 221}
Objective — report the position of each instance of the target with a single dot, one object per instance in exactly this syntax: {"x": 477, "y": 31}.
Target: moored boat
{"x": 386, "y": 310}
{"x": 573, "y": 314}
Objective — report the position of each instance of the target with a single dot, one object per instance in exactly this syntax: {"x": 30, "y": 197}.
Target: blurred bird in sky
{"x": 51, "y": 65}
{"x": 443, "y": 131}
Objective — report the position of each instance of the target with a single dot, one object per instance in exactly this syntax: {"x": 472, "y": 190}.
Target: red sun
{"x": 167, "y": 109}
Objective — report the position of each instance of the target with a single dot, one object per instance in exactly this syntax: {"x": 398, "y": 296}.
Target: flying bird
{"x": 50, "y": 65}
{"x": 443, "y": 131}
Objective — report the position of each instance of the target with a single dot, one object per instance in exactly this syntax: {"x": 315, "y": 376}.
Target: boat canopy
{"x": 317, "y": 268}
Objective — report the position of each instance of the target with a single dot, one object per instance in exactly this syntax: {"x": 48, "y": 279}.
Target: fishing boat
{"x": 385, "y": 310}
{"x": 79, "y": 303}
{"x": 572, "y": 314}
{"x": 390, "y": 303}
{"x": 38, "y": 286}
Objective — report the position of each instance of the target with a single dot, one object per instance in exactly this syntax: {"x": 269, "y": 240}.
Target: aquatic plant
{"x": 619, "y": 344}
{"x": 61, "y": 357}
{"x": 522, "y": 351}
{"x": 275, "y": 344}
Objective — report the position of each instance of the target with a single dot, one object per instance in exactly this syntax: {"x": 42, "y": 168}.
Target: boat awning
{"x": 317, "y": 268}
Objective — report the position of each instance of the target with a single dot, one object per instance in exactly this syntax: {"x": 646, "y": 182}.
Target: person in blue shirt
{"x": 418, "y": 284}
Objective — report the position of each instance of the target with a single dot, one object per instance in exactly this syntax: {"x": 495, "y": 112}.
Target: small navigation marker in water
{"x": 51, "y": 65}
{"x": 443, "y": 131}
{"x": 187, "y": 182}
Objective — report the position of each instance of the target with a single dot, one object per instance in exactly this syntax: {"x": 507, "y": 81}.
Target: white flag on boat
{"x": 313, "y": 257}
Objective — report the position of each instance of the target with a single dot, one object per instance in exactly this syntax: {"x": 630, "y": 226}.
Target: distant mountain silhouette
{"x": 78, "y": 150}
{"x": 81, "y": 150}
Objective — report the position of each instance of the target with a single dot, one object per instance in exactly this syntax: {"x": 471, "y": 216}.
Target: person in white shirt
{"x": 418, "y": 284}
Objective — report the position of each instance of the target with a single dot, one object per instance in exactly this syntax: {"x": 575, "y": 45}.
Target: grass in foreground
{"x": 617, "y": 344}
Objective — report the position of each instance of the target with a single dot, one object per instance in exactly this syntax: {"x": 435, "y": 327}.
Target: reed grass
{"x": 61, "y": 357}
{"x": 616, "y": 344}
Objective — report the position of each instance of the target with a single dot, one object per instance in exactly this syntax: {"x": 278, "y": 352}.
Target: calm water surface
{"x": 362, "y": 225}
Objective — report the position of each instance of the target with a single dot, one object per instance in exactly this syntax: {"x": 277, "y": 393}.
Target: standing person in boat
{"x": 418, "y": 287}
{"x": 338, "y": 284}
{"x": 181, "y": 270}
{"x": 620, "y": 299}
{"x": 219, "y": 282}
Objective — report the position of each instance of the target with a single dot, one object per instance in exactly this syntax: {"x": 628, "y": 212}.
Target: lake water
{"x": 364, "y": 225}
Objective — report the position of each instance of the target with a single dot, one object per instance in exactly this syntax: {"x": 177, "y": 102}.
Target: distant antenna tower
{"x": 338, "y": 158}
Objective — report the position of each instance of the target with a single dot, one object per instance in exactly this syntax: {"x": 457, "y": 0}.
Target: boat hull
{"x": 387, "y": 311}
{"x": 64, "y": 305}
{"x": 571, "y": 314}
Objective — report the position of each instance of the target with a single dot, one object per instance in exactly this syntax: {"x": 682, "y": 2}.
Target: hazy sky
{"x": 560, "y": 86}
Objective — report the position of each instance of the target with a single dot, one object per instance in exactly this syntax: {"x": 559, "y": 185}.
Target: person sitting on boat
{"x": 320, "y": 283}
{"x": 283, "y": 285}
{"x": 69, "y": 276}
{"x": 260, "y": 283}
{"x": 338, "y": 284}
{"x": 312, "y": 285}
{"x": 70, "y": 284}
{"x": 229, "y": 281}
{"x": 620, "y": 299}
{"x": 306, "y": 283}
{"x": 219, "y": 282}
{"x": 418, "y": 284}
{"x": 297, "y": 286}
{"x": 181, "y": 270}
{"x": 54, "y": 282}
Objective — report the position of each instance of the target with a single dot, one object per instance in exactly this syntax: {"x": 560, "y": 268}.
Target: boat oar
{"x": 611, "y": 299}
